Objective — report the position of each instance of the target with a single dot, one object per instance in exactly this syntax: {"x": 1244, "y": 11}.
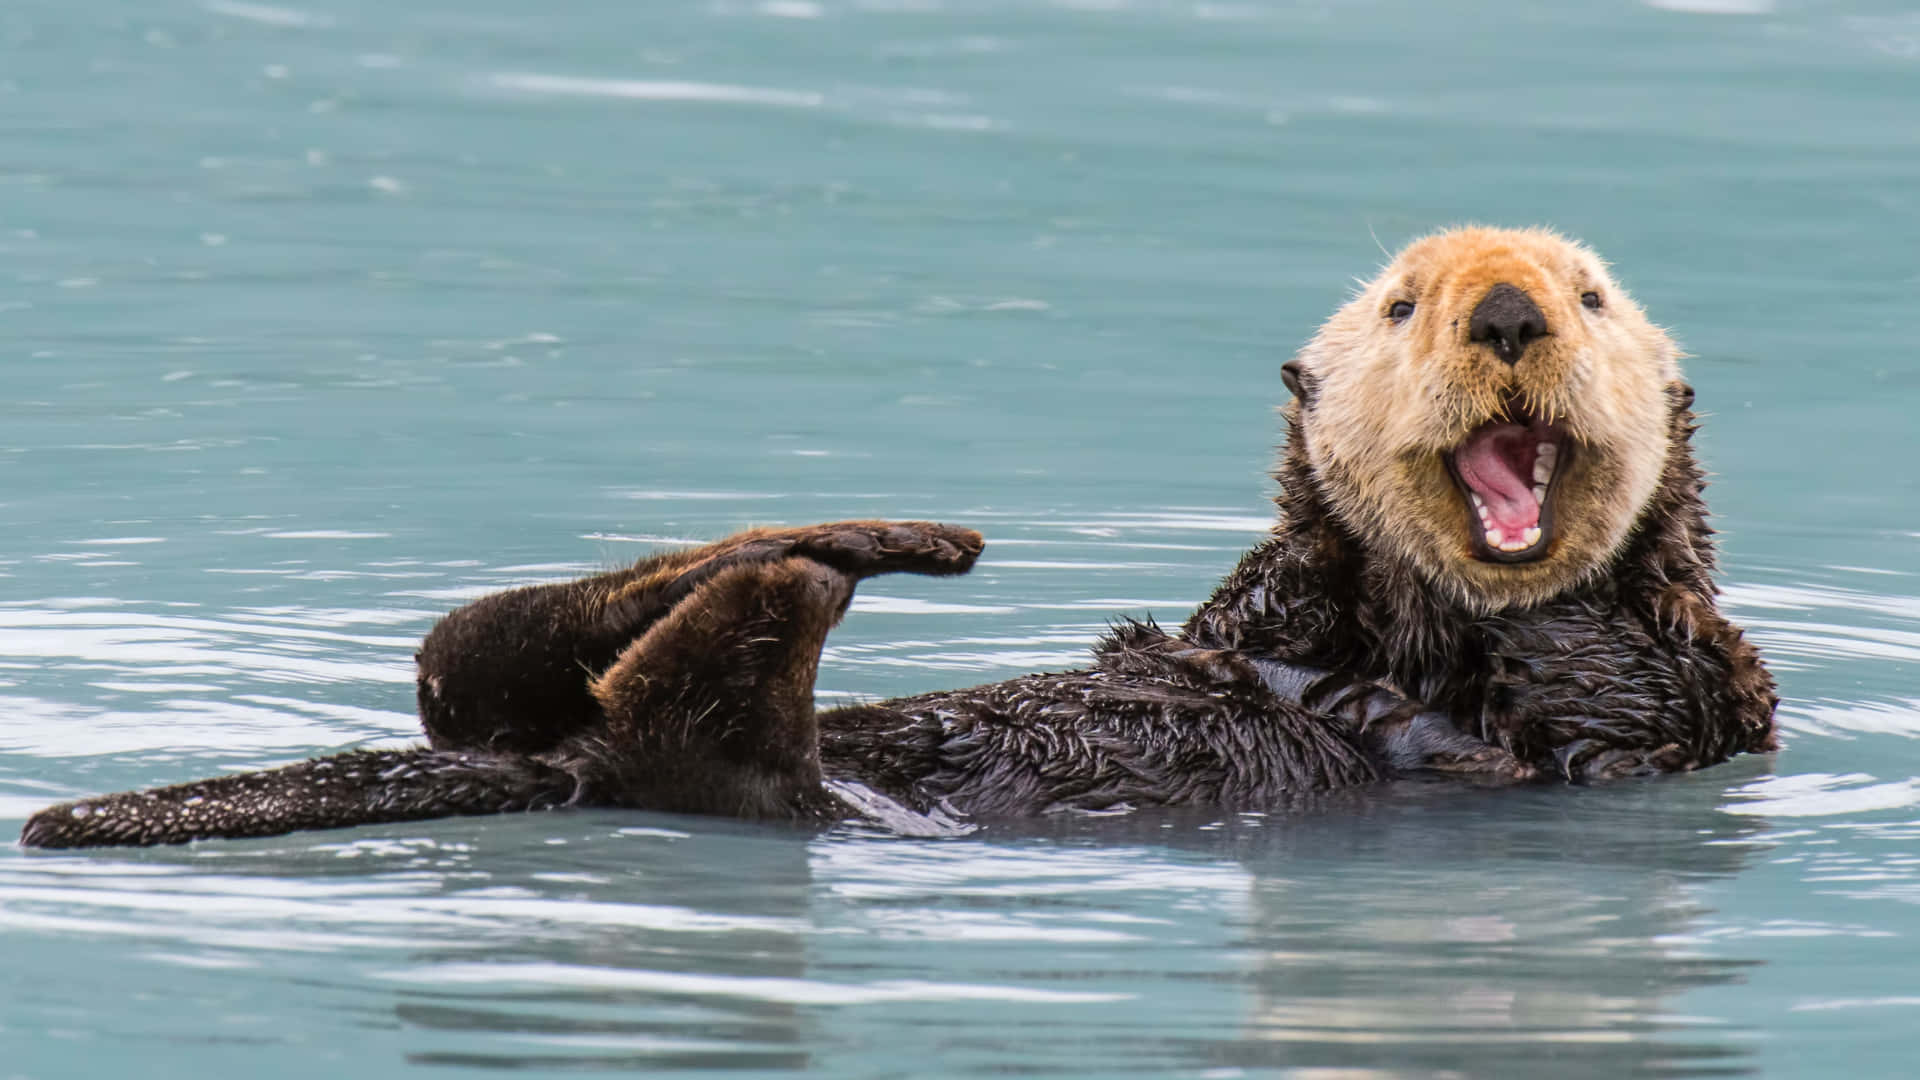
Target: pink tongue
{"x": 1490, "y": 463}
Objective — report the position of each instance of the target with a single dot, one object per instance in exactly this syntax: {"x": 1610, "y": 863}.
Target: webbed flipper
{"x": 706, "y": 707}
{"x": 510, "y": 671}
{"x": 711, "y": 710}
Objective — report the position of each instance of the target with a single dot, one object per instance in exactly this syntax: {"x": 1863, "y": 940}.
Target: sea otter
{"x": 1491, "y": 559}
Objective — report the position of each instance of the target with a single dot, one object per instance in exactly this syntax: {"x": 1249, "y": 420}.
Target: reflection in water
{"x": 1425, "y": 930}
{"x": 560, "y": 1001}
{"x": 1414, "y": 931}
{"x": 1483, "y": 935}
{"x": 837, "y": 945}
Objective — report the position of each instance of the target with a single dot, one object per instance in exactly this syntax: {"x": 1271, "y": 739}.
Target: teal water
{"x": 318, "y": 320}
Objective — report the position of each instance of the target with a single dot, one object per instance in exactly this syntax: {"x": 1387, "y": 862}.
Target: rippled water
{"x": 321, "y": 319}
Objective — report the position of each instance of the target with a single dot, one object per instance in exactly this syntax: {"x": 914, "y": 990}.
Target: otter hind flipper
{"x": 711, "y": 710}
{"x": 869, "y": 548}
{"x": 861, "y": 549}
{"x": 361, "y": 787}
{"x": 510, "y": 671}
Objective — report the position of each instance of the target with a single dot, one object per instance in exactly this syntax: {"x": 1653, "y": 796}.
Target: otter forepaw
{"x": 1430, "y": 742}
{"x": 1484, "y": 762}
{"x": 1620, "y": 764}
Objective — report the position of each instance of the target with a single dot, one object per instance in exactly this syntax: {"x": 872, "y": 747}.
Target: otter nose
{"x": 1507, "y": 319}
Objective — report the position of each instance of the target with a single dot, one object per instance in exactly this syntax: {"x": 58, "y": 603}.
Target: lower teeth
{"x": 1497, "y": 539}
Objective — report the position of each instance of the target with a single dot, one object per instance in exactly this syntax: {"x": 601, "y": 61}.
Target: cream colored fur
{"x": 1392, "y": 398}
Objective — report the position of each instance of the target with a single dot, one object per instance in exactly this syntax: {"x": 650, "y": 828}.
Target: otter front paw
{"x": 1429, "y": 742}
{"x": 1582, "y": 762}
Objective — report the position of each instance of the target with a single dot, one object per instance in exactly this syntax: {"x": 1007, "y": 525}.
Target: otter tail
{"x": 361, "y": 787}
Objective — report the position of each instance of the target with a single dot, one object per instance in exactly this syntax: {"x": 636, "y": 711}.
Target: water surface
{"x": 318, "y": 320}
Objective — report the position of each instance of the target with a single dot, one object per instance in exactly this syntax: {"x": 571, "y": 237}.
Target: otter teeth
{"x": 1543, "y": 462}
{"x": 1496, "y": 538}
{"x": 1539, "y": 493}
{"x": 1499, "y": 542}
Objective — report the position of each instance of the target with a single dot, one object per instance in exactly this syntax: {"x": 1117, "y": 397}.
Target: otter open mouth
{"x": 1506, "y": 469}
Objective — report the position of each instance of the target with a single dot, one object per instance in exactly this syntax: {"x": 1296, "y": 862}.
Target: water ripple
{"x": 764, "y": 989}
{"x": 645, "y": 90}
{"x": 1822, "y": 795}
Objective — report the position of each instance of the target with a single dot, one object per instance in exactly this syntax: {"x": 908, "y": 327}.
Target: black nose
{"x": 1507, "y": 319}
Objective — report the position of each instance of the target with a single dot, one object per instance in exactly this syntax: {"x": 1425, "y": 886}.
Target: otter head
{"x": 1493, "y": 408}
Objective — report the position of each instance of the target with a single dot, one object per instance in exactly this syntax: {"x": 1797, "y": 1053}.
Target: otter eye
{"x": 1399, "y": 310}
{"x": 1590, "y": 300}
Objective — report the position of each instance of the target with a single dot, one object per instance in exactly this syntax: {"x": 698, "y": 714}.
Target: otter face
{"x": 1491, "y": 406}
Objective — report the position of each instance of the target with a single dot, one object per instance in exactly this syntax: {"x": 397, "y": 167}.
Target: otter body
{"x": 1491, "y": 559}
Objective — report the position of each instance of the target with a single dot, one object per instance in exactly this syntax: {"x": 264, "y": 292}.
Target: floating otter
{"x": 1491, "y": 560}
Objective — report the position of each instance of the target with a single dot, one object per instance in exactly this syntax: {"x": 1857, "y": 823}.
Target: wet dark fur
{"x": 685, "y": 683}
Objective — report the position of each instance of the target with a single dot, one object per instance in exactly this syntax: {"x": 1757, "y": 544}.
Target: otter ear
{"x": 1680, "y": 394}
{"x": 1299, "y": 383}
